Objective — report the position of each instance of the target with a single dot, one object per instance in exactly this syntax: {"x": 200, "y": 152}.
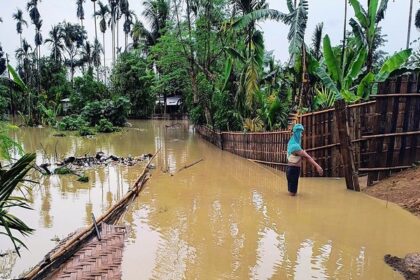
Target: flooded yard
{"x": 223, "y": 218}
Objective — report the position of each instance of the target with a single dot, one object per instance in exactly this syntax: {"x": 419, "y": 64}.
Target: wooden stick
{"x": 323, "y": 147}
{"x": 398, "y": 95}
{"x": 267, "y": 162}
{"x": 257, "y": 133}
{"x": 190, "y": 165}
{"x": 390, "y": 135}
{"x": 383, "y": 168}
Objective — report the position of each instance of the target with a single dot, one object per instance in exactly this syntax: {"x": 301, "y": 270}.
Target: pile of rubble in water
{"x": 100, "y": 159}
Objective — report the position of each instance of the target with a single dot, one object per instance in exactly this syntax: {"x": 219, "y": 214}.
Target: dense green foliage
{"x": 210, "y": 53}
{"x": 10, "y": 180}
{"x": 105, "y": 126}
{"x": 71, "y": 123}
{"x": 132, "y": 79}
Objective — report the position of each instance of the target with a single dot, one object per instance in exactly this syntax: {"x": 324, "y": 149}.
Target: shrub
{"x": 93, "y": 112}
{"x": 85, "y": 131}
{"x": 115, "y": 111}
{"x": 105, "y": 126}
{"x": 71, "y": 123}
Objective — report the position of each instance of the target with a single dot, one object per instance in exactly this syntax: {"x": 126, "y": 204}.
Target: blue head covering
{"x": 295, "y": 140}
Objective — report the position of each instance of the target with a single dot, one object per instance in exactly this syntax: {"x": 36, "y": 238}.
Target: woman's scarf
{"x": 295, "y": 140}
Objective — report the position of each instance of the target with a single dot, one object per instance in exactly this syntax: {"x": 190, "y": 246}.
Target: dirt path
{"x": 402, "y": 188}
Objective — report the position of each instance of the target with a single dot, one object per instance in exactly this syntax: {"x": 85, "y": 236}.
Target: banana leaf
{"x": 393, "y": 63}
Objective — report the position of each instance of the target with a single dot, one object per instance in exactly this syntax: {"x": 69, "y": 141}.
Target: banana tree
{"x": 366, "y": 26}
{"x": 19, "y": 85}
{"x": 339, "y": 82}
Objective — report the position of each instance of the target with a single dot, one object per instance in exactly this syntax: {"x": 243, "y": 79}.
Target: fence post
{"x": 346, "y": 148}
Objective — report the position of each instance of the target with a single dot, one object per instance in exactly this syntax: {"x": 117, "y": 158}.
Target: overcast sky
{"x": 330, "y": 12}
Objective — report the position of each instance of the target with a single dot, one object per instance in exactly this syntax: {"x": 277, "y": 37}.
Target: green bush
{"x": 115, "y": 111}
{"x": 85, "y": 131}
{"x": 71, "y": 123}
{"x": 93, "y": 112}
{"x": 87, "y": 90}
{"x": 104, "y": 126}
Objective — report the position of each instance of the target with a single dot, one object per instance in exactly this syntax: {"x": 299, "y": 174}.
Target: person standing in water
{"x": 295, "y": 155}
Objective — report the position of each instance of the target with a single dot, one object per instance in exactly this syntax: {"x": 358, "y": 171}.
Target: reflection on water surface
{"x": 224, "y": 218}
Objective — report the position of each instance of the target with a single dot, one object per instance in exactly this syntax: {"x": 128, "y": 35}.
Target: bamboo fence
{"x": 384, "y": 132}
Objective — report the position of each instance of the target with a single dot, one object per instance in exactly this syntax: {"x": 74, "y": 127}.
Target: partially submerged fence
{"x": 384, "y": 133}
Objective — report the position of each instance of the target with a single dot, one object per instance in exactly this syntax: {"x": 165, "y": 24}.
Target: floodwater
{"x": 223, "y": 218}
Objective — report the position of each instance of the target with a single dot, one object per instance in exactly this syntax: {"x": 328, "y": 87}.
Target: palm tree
{"x": 74, "y": 36}
{"x": 3, "y": 62}
{"x": 114, "y": 14}
{"x": 136, "y": 32}
{"x": 344, "y": 33}
{"x": 80, "y": 10}
{"x": 103, "y": 13}
{"x": 38, "y": 38}
{"x": 417, "y": 20}
{"x": 20, "y": 21}
{"x": 125, "y": 10}
{"x": 316, "y": 50}
{"x": 55, "y": 40}
{"x": 32, "y": 7}
{"x": 86, "y": 56}
{"x": 24, "y": 55}
{"x": 128, "y": 23}
{"x": 156, "y": 13}
{"x": 96, "y": 57}
{"x": 94, "y": 13}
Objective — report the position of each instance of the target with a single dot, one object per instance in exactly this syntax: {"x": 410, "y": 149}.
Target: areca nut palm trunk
{"x": 410, "y": 16}
{"x": 94, "y": 16}
{"x": 344, "y": 34}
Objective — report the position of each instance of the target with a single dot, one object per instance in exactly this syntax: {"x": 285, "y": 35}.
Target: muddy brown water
{"x": 223, "y": 218}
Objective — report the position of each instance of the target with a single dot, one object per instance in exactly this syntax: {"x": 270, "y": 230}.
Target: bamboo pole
{"x": 267, "y": 162}
{"x": 390, "y": 135}
{"x": 383, "y": 168}
{"x": 398, "y": 95}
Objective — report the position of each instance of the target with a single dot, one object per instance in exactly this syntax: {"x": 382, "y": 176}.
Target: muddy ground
{"x": 401, "y": 188}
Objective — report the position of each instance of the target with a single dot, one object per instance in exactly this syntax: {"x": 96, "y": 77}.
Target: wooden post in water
{"x": 346, "y": 148}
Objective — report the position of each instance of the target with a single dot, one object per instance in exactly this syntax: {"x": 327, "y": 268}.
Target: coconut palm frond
{"x": 9, "y": 181}
{"x": 317, "y": 41}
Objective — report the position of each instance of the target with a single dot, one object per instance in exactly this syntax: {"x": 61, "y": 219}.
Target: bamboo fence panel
{"x": 385, "y": 133}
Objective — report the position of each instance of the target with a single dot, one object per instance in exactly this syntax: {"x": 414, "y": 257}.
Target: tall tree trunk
{"x": 126, "y": 41}
{"x": 12, "y": 111}
{"x": 192, "y": 59}
{"x": 118, "y": 36}
{"x": 96, "y": 27}
{"x": 113, "y": 41}
{"x": 410, "y": 16}
{"x": 344, "y": 35}
{"x": 21, "y": 43}
{"x": 103, "y": 47}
